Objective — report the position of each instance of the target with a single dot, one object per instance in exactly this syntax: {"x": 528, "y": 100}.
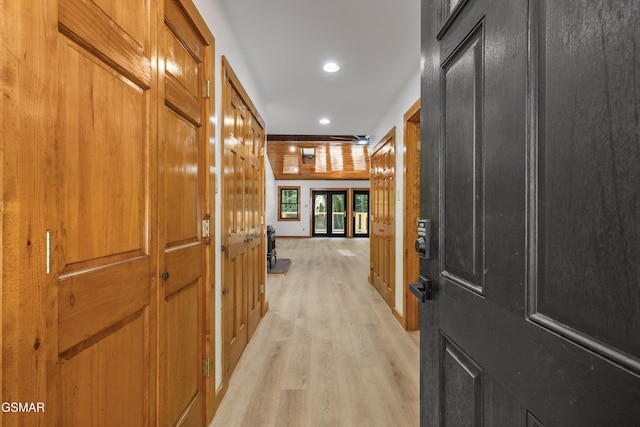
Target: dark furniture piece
{"x": 271, "y": 245}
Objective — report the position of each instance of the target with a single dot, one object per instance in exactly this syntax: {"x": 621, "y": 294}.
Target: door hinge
{"x": 206, "y": 367}
{"x": 262, "y": 289}
{"x": 206, "y": 93}
{"x": 49, "y": 255}
{"x": 205, "y": 228}
{"x": 261, "y": 219}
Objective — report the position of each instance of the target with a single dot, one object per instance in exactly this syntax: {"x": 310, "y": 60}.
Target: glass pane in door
{"x": 320, "y": 214}
{"x": 338, "y": 213}
{"x": 361, "y": 214}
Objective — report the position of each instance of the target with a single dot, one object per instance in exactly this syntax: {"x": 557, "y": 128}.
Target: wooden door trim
{"x": 411, "y": 184}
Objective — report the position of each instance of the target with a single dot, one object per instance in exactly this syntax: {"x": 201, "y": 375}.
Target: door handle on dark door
{"x": 422, "y": 290}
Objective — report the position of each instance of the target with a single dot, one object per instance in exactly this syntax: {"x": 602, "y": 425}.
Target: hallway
{"x": 329, "y": 352}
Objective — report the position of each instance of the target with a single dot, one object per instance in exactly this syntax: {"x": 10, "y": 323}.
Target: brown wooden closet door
{"x": 183, "y": 175}
{"x": 243, "y": 262}
{"x": 234, "y": 268}
{"x": 105, "y": 241}
{"x": 383, "y": 218}
{"x": 254, "y": 226}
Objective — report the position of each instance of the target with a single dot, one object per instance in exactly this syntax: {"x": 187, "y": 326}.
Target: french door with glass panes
{"x": 329, "y": 213}
{"x": 361, "y": 213}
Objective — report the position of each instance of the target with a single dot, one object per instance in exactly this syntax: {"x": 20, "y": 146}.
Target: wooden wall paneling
{"x": 105, "y": 239}
{"x": 28, "y": 115}
{"x": 333, "y": 160}
{"x": 411, "y": 213}
{"x": 383, "y": 217}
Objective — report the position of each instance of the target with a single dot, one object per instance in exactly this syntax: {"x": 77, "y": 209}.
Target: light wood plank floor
{"x": 329, "y": 352}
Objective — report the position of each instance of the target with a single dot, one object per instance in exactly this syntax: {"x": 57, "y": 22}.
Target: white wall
{"x": 271, "y": 190}
{"x": 394, "y": 116}
{"x": 227, "y": 45}
{"x": 301, "y": 228}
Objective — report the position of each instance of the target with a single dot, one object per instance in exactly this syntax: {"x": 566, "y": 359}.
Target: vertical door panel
{"x": 105, "y": 240}
{"x": 588, "y": 237}
{"x": 464, "y": 172}
{"x": 383, "y": 218}
{"x": 182, "y": 199}
{"x": 255, "y": 236}
{"x": 243, "y": 200}
{"x": 320, "y": 214}
{"x": 361, "y": 213}
{"x": 533, "y": 195}
{"x": 338, "y": 213}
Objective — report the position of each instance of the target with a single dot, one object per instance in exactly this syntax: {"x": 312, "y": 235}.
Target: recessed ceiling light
{"x": 331, "y": 67}
{"x": 325, "y": 121}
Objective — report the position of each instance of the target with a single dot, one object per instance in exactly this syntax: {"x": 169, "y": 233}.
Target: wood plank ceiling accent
{"x": 328, "y": 160}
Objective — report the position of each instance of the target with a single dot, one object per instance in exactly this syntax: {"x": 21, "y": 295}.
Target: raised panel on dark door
{"x": 533, "y": 192}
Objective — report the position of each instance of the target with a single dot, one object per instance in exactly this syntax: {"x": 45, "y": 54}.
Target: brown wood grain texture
{"x": 243, "y": 223}
{"x": 79, "y": 143}
{"x": 333, "y": 160}
{"x": 28, "y": 117}
{"x": 383, "y": 198}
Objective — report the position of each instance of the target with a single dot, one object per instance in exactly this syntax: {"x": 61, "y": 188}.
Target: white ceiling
{"x": 286, "y": 42}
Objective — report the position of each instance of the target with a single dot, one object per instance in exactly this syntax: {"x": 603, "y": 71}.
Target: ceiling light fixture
{"x": 331, "y": 67}
{"x": 325, "y": 121}
{"x": 363, "y": 140}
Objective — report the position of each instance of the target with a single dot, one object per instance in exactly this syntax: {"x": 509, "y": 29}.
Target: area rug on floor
{"x": 279, "y": 267}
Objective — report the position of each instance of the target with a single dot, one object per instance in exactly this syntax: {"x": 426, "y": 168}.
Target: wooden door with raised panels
{"x": 105, "y": 243}
{"x": 255, "y": 227}
{"x": 243, "y": 260}
{"x": 382, "y": 238}
{"x": 234, "y": 235}
{"x": 533, "y": 319}
{"x": 185, "y": 209}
